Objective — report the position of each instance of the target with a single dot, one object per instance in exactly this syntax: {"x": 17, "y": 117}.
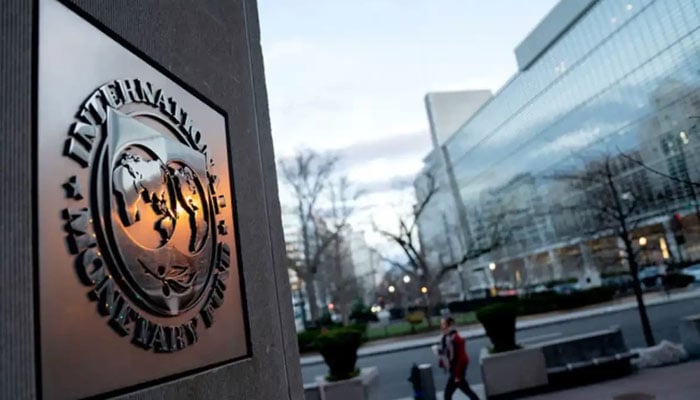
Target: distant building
{"x": 295, "y": 253}
{"x": 366, "y": 263}
{"x": 322, "y": 278}
{"x": 348, "y": 268}
{"x": 596, "y": 78}
{"x": 447, "y": 111}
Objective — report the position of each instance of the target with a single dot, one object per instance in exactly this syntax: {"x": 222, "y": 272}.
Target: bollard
{"x": 426, "y": 378}
{"x": 422, "y": 380}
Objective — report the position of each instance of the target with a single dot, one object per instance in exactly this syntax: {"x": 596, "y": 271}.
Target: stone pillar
{"x": 555, "y": 264}
{"x": 529, "y": 270}
{"x": 622, "y": 252}
{"x": 590, "y": 275}
{"x": 674, "y": 248}
{"x": 178, "y": 289}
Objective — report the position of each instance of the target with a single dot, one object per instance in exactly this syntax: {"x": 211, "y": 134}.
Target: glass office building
{"x": 606, "y": 88}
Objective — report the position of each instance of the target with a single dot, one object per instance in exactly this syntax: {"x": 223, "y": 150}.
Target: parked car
{"x": 694, "y": 271}
{"x": 539, "y": 289}
{"x": 650, "y": 276}
{"x": 566, "y": 288}
{"x": 623, "y": 283}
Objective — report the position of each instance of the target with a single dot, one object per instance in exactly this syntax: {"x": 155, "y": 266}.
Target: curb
{"x": 479, "y": 332}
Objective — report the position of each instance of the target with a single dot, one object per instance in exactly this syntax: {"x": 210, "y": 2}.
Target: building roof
{"x": 549, "y": 30}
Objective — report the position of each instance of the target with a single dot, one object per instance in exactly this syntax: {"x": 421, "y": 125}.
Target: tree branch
{"x": 657, "y": 172}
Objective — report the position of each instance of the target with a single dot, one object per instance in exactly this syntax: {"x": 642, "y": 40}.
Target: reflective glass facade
{"x": 622, "y": 84}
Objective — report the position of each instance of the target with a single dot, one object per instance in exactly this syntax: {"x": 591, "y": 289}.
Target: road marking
{"x": 540, "y": 337}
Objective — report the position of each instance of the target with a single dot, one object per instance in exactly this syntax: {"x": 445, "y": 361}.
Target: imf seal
{"x": 145, "y": 232}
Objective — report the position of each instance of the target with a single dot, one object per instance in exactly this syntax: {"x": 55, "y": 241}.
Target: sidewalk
{"x": 478, "y": 389}
{"x": 678, "y": 382}
{"x": 651, "y": 299}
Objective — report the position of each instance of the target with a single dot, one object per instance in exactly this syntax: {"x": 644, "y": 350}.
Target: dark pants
{"x": 463, "y": 385}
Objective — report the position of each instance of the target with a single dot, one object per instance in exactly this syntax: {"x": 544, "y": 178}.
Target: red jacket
{"x": 453, "y": 347}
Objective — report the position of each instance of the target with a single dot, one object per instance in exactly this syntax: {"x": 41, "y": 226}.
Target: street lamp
{"x": 406, "y": 279}
{"x": 492, "y": 266}
{"x": 643, "y": 244}
{"x": 392, "y": 288}
{"x": 424, "y": 289}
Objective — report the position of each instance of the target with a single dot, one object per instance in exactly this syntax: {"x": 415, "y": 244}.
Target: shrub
{"x": 307, "y": 339}
{"x": 362, "y": 314}
{"x": 326, "y": 321}
{"x": 539, "y": 303}
{"x": 396, "y": 313}
{"x": 567, "y": 281}
{"x": 465, "y": 306}
{"x": 586, "y": 297}
{"x": 339, "y": 350}
{"x": 415, "y": 318}
{"x": 362, "y": 328}
{"x": 499, "y": 322}
{"x": 551, "y": 301}
{"x": 412, "y": 309}
{"x": 614, "y": 274}
{"x": 677, "y": 280}
{"x": 651, "y": 281}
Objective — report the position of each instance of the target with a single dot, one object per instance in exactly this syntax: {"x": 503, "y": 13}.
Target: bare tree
{"x": 323, "y": 206}
{"x": 416, "y": 263}
{"x": 342, "y": 200}
{"x": 609, "y": 205}
{"x": 685, "y": 179}
{"x": 308, "y": 175}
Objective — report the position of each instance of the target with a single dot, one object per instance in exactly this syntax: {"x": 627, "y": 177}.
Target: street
{"x": 394, "y": 367}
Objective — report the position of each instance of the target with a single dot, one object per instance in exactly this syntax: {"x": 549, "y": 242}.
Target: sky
{"x": 350, "y": 77}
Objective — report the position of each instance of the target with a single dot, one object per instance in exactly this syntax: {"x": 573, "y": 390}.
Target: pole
{"x": 302, "y": 303}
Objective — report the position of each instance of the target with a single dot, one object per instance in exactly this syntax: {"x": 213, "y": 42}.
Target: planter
{"x": 339, "y": 350}
{"x": 363, "y": 387}
{"x": 513, "y": 372}
{"x": 690, "y": 335}
{"x": 499, "y": 323}
{"x": 311, "y": 391}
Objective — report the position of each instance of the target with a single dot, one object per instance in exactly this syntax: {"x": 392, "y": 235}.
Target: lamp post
{"x": 424, "y": 292}
{"x": 643, "y": 245}
{"x": 492, "y": 268}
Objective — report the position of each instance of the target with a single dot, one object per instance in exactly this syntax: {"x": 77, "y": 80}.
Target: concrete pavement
{"x": 478, "y": 389}
{"x": 678, "y": 382}
{"x": 651, "y": 299}
{"x": 394, "y": 367}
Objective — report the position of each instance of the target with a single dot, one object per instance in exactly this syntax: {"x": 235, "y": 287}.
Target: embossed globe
{"x": 160, "y": 214}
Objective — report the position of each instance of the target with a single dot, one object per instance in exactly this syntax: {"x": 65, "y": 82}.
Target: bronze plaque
{"x": 139, "y": 277}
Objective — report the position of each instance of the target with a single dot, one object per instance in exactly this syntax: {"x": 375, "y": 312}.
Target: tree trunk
{"x": 637, "y": 286}
{"x": 430, "y": 300}
{"x": 311, "y": 296}
{"x": 624, "y": 234}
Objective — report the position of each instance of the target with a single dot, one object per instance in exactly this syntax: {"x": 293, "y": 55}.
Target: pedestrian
{"x": 454, "y": 358}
